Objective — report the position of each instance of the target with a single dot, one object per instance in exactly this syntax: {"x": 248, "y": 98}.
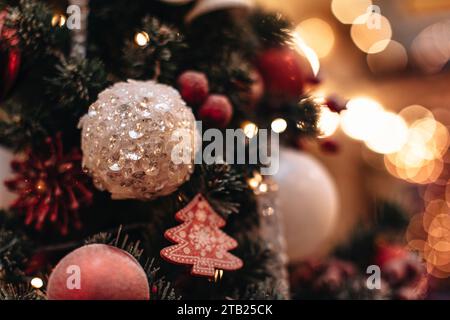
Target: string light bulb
{"x": 58, "y": 20}
{"x": 279, "y": 125}
{"x": 142, "y": 38}
{"x": 37, "y": 283}
{"x": 250, "y": 129}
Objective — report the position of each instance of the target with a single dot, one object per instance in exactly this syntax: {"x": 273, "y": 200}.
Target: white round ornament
{"x": 308, "y": 201}
{"x": 131, "y": 140}
{"x": 6, "y": 197}
{"x": 204, "y": 6}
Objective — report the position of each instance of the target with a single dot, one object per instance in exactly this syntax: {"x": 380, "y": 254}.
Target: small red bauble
{"x": 10, "y": 57}
{"x": 98, "y": 272}
{"x": 194, "y": 87}
{"x": 217, "y": 111}
{"x": 330, "y": 146}
{"x": 281, "y": 70}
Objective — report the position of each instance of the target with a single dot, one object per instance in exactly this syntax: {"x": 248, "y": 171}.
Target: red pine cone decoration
{"x": 51, "y": 186}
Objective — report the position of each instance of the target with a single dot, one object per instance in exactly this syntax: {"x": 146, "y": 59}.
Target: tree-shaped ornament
{"x": 200, "y": 242}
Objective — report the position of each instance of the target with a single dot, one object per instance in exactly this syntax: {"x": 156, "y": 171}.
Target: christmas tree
{"x": 91, "y": 92}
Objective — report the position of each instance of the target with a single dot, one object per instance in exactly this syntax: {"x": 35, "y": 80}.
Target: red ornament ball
{"x": 98, "y": 272}
{"x": 217, "y": 111}
{"x": 281, "y": 70}
{"x": 194, "y": 87}
{"x": 10, "y": 57}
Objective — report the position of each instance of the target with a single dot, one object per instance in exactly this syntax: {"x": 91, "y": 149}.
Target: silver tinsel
{"x": 128, "y": 137}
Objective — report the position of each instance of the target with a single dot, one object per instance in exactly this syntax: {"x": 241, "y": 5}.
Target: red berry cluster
{"x": 215, "y": 110}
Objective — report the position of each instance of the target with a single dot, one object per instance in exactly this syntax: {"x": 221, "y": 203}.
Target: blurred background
{"x": 389, "y": 61}
{"x": 380, "y": 71}
{"x": 397, "y": 73}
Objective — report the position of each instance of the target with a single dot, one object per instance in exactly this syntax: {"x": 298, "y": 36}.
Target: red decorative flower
{"x": 51, "y": 186}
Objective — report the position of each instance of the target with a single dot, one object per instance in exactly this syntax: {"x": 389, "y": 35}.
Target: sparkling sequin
{"x": 126, "y": 140}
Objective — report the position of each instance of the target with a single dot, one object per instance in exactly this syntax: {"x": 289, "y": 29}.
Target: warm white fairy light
{"x": 263, "y": 188}
{"x": 328, "y": 122}
{"x": 58, "y": 20}
{"x": 250, "y": 129}
{"x": 37, "y": 283}
{"x": 255, "y": 181}
{"x": 359, "y": 120}
{"x": 391, "y": 135}
{"x": 141, "y": 38}
{"x": 279, "y": 125}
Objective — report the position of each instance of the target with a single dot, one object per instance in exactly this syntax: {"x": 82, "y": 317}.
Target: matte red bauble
{"x": 98, "y": 272}
{"x": 217, "y": 111}
{"x": 281, "y": 69}
{"x": 194, "y": 87}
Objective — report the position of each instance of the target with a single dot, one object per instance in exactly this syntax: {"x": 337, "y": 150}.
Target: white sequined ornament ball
{"x": 130, "y": 135}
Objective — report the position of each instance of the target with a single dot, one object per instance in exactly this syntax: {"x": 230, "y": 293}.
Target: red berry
{"x": 217, "y": 111}
{"x": 387, "y": 253}
{"x": 329, "y": 146}
{"x": 98, "y": 272}
{"x": 282, "y": 72}
{"x": 194, "y": 87}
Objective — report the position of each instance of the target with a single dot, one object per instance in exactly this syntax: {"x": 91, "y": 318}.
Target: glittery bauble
{"x": 98, "y": 272}
{"x": 131, "y": 135}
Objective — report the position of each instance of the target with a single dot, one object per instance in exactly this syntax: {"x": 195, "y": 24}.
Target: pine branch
{"x": 32, "y": 21}
{"x": 301, "y": 118}
{"x": 221, "y": 184}
{"x": 263, "y": 290}
{"x": 161, "y": 289}
{"x": 19, "y": 126}
{"x": 10, "y": 291}
{"x": 272, "y": 29}
{"x": 15, "y": 248}
{"x": 76, "y": 85}
{"x": 159, "y": 59}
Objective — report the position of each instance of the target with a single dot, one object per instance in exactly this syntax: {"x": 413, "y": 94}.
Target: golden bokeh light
{"x": 421, "y": 159}
{"x": 250, "y": 129}
{"x": 58, "y": 20}
{"x": 141, "y": 38}
{"x": 415, "y": 112}
{"x": 430, "y": 49}
{"x": 279, "y": 125}
{"x": 393, "y": 58}
{"x": 346, "y": 11}
{"x": 37, "y": 283}
{"x": 328, "y": 122}
{"x": 368, "y": 39}
{"x": 357, "y": 120}
{"x": 391, "y": 133}
{"x": 317, "y": 34}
